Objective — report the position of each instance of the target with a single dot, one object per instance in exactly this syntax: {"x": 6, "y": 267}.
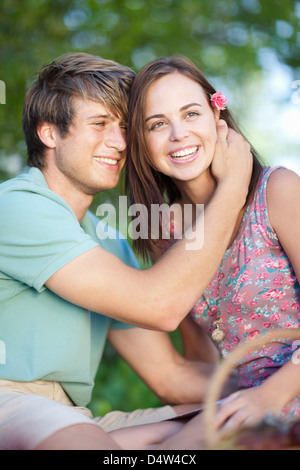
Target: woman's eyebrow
{"x": 154, "y": 117}
{"x": 189, "y": 105}
{"x": 186, "y": 106}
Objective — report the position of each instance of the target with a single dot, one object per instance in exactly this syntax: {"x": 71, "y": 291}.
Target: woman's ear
{"x": 216, "y": 115}
{"x": 46, "y": 133}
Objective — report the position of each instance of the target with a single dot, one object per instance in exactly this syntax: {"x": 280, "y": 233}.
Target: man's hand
{"x": 232, "y": 162}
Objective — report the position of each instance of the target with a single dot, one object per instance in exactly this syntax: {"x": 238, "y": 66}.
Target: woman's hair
{"x": 76, "y": 75}
{"x": 145, "y": 184}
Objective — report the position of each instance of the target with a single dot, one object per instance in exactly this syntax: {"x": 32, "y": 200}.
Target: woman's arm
{"x": 249, "y": 406}
{"x": 283, "y": 199}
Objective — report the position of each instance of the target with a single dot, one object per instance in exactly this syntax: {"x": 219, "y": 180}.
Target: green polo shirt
{"x": 42, "y": 335}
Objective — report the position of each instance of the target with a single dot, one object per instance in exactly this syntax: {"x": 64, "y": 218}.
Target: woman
{"x": 174, "y": 114}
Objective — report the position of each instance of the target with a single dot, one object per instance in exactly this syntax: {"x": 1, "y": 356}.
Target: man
{"x": 63, "y": 291}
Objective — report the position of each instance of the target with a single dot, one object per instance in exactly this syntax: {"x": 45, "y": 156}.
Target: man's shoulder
{"x": 27, "y": 185}
{"x": 29, "y": 189}
{"x": 27, "y": 206}
{"x": 29, "y": 177}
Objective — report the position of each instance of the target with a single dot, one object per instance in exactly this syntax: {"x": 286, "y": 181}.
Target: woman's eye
{"x": 156, "y": 125}
{"x": 192, "y": 114}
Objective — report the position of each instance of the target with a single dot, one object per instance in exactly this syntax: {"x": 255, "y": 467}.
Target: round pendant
{"x": 218, "y": 335}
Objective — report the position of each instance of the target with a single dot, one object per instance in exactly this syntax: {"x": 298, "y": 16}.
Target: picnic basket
{"x": 271, "y": 433}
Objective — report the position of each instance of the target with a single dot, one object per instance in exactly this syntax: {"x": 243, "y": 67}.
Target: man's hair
{"x": 76, "y": 75}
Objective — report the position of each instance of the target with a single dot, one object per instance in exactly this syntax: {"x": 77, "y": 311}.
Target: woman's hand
{"x": 245, "y": 407}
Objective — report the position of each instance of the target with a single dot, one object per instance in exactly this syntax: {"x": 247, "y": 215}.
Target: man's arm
{"x": 152, "y": 356}
{"x": 160, "y": 297}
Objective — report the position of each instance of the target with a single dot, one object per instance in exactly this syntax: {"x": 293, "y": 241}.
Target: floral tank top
{"x": 256, "y": 290}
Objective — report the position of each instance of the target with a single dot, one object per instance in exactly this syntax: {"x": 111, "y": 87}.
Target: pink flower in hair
{"x": 218, "y": 101}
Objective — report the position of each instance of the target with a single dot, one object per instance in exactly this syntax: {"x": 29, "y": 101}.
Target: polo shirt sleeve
{"x": 38, "y": 235}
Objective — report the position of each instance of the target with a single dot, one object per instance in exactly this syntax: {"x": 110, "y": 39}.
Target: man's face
{"x": 90, "y": 157}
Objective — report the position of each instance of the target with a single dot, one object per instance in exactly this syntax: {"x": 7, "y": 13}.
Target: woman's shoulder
{"x": 274, "y": 179}
{"x": 274, "y": 193}
{"x": 282, "y": 193}
{"x": 282, "y": 185}
{"x": 280, "y": 177}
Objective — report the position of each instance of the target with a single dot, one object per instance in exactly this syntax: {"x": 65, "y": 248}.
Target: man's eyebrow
{"x": 183, "y": 108}
{"x": 99, "y": 116}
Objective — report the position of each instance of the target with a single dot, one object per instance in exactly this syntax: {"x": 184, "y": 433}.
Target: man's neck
{"x": 76, "y": 199}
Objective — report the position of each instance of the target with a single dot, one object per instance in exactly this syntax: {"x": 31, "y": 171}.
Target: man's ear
{"x": 46, "y": 133}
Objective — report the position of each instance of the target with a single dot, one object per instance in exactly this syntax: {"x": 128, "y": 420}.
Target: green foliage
{"x": 228, "y": 38}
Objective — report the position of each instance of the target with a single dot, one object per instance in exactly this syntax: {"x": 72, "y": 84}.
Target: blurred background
{"x": 249, "y": 49}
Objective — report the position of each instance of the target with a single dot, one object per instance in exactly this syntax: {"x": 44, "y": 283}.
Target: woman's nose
{"x": 178, "y": 131}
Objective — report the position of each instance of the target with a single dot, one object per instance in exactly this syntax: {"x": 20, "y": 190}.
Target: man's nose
{"x": 117, "y": 138}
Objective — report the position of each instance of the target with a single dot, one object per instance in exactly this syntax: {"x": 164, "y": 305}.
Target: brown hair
{"x": 147, "y": 185}
{"x": 74, "y": 75}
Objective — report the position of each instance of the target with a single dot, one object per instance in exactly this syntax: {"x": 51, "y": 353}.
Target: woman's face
{"x": 180, "y": 127}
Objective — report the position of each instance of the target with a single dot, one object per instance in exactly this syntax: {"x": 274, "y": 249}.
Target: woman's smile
{"x": 184, "y": 156}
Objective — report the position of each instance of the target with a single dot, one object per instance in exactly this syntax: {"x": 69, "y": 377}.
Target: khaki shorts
{"x": 32, "y": 411}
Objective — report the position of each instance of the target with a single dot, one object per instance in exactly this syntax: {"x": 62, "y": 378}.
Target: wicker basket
{"x": 278, "y": 433}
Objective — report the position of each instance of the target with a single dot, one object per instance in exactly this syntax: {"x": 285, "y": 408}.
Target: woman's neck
{"x": 197, "y": 191}
{"x": 200, "y": 191}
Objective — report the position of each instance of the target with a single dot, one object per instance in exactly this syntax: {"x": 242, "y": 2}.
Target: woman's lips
{"x": 185, "y": 155}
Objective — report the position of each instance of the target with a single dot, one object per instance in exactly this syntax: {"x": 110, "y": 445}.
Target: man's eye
{"x": 101, "y": 124}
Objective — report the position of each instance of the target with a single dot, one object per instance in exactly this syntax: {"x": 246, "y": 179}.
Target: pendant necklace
{"x": 218, "y": 334}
